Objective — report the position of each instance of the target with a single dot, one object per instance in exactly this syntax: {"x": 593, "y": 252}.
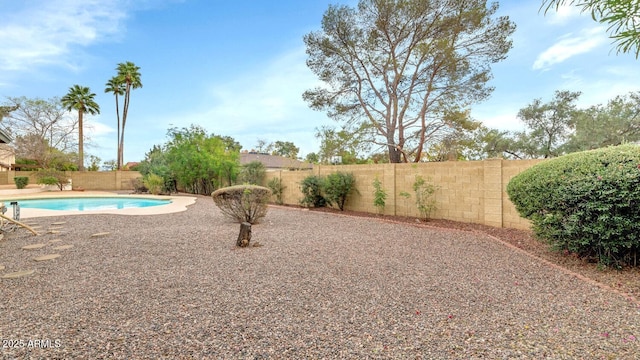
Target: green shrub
{"x": 253, "y": 173}
{"x": 337, "y": 187}
{"x": 243, "y": 203}
{"x": 311, "y": 188}
{"x": 21, "y": 181}
{"x": 379, "y": 195}
{"x": 275, "y": 184}
{"x": 405, "y": 195}
{"x": 52, "y": 177}
{"x": 585, "y": 203}
{"x": 424, "y": 196}
{"x": 154, "y": 183}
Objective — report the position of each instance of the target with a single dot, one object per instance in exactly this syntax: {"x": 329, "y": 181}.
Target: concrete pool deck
{"x": 178, "y": 203}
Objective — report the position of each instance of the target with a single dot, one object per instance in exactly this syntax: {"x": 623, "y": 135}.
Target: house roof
{"x": 4, "y": 137}
{"x": 274, "y": 162}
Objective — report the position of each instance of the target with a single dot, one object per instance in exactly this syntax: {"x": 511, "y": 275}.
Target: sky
{"x": 237, "y": 68}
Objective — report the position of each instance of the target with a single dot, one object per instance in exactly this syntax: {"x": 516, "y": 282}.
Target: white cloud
{"x": 499, "y": 117}
{"x": 46, "y": 32}
{"x": 570, "y": 45}
{"x": 600, "y": 84}
{"x": 562, "y": 15}
{"x": 263, "y": 102}
{"x": 267, "y": 96}
{"x": 95, "y": 129}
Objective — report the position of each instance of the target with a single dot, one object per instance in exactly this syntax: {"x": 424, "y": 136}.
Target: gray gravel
{"x": 322, "y": 286}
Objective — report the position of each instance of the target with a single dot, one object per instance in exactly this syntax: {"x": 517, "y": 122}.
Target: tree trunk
{"x": 118, "y": 163}
{"x": 394, "y": 154}
{"x": 245, "y": 235}
{"x": 80, "y": 142}
{"x": 125, "y": 112}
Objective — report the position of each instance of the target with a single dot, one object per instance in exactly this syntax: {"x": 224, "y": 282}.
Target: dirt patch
{"x": 626, "y": 280}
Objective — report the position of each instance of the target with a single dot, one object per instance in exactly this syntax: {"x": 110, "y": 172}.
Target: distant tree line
{"x": 550, "y": 129}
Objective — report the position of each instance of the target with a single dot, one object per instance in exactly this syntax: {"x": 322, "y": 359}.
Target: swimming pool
{"x": 89, "y": 203}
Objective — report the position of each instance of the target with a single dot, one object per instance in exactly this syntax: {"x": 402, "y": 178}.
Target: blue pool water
{"x": 89, "y": 203}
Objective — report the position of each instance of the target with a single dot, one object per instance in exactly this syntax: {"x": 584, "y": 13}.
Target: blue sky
{"x": 237, "y": 68}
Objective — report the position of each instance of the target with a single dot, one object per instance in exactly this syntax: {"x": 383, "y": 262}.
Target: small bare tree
{"x": 42, "y": 129}
{"x": 244, "y": 203}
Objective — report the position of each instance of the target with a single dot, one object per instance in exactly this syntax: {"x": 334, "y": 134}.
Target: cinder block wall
{"x": 468, "y": 191}
{"x": 88, "y": 180}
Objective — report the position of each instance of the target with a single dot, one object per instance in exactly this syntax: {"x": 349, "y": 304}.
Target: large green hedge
{"x": 586, "y": 203}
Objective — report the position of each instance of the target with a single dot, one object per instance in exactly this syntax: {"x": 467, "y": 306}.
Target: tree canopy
{"x": 550, "y": 123}
{"x": 408, "y": 69}
{"x": 334, "y": 142}
{"x": 193, "y": 160}
{"x": 43, "y": 131}
{"x": 285, "y": 149}
{"x": 614, "y": 123}
{"x": 279, "y": 148}
{"x": 558, "y": 127}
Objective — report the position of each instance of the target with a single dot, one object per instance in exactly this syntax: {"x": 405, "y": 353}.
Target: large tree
{"x": 42, "y": 130}
{"x": 349, "y": 147}
{"x": 285, "y": 149}
{"x": 129, "y": 75}
{"x": 615, "y": 123}
{"x": 622, "y": 17}
{"x": 118, "y": 89}
{"x": 81, "y": 99}
{"x": 407, "y": 67}
{"x": 548, "y": 125}
{"x": 200, "y": 162}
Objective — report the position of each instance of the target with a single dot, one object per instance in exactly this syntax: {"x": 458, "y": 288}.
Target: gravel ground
{"x": 320, "y": 286}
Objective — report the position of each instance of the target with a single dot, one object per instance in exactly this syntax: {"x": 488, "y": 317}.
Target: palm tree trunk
{"x": 118, "y": 164}
{"x": 80, "y": 142}
{"x": 125, "y": 110}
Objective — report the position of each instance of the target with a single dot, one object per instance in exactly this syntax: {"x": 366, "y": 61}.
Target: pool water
{"x": 89, "y": 203}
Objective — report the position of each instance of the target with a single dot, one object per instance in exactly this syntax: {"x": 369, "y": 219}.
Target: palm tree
{"x": 129, "y": 75}
{"x": 117, "y": 88}
{"x": 80, "y": 98}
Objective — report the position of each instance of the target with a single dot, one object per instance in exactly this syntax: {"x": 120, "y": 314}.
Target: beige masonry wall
{"x": 88, "y": 180}
{"x": 468, "y": 191}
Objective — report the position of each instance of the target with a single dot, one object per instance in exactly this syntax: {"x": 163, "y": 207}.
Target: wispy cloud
{"x": 562, "y": 15}
{"x": 46, "y": 32}
{"x": 570, "y": 45}
{"x": 265, "y": 101}
{"x": 267, "y": 97}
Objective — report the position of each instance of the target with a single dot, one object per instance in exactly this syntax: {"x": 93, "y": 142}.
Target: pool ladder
{"x": 10, "y": 226}
{"x": 16, "y": 210}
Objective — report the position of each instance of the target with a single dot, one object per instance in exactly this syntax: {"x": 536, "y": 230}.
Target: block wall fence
{"x": 468, "y": 191}
{"x": 88, "y": 180}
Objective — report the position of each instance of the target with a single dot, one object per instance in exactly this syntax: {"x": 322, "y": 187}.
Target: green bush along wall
{"x": 468, "y": 191}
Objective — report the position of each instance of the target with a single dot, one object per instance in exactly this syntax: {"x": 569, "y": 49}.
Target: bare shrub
{"x": 138, "y": 186}
{"x": 243, "y": 203}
